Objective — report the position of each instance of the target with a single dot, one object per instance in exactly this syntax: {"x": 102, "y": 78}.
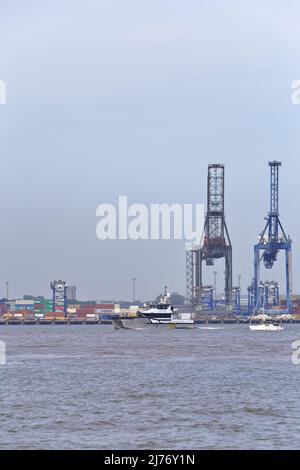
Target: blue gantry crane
{"x": 272, "y": 240}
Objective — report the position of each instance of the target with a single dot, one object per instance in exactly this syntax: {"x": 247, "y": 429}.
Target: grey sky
{"x": 136, "y": 97}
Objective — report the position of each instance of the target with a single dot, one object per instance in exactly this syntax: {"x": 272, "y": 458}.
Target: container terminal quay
{"x": 265, "y": 297}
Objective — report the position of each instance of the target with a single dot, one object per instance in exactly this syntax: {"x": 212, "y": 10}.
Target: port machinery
{"x": 269, "y": 295}
{"x": 215, "y": 243}
{"x": 59, "y": 293}
{"x": 273, "y": 239}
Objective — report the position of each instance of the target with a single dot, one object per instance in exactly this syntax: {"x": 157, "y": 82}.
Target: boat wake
{"x": 211, "y": 328}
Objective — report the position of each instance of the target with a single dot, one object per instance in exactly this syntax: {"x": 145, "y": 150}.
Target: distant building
{"x": 71, "y": 294}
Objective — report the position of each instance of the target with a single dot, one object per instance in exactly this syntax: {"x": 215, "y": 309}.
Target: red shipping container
{"x": 104, "y": 306}
{"x": 86, "y": 311}
{"x": 54, "y": 314}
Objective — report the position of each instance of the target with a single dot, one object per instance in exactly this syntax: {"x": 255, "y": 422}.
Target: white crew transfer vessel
{"x": 161, "y": 314}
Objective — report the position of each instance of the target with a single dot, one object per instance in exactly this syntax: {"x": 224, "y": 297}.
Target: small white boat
{"x": 266, "y": 323}
{"x": 267, "y": 326}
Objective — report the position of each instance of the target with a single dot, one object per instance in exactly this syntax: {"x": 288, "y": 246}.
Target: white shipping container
{"x": 71, "y": 310}
{"x": 104, "y": 310}
{"x": 133, "y": 308}
{"x": 185, "y": 316}
{"x": 24, "y": 302}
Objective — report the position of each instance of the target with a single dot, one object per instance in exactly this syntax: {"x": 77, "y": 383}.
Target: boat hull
{"x": 130, "y": 323}
{"x": 182, "y": 325}
{"x": 266, "y": 328}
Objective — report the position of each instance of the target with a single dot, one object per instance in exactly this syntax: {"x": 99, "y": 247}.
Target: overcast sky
{"x": 137, "y": 97}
